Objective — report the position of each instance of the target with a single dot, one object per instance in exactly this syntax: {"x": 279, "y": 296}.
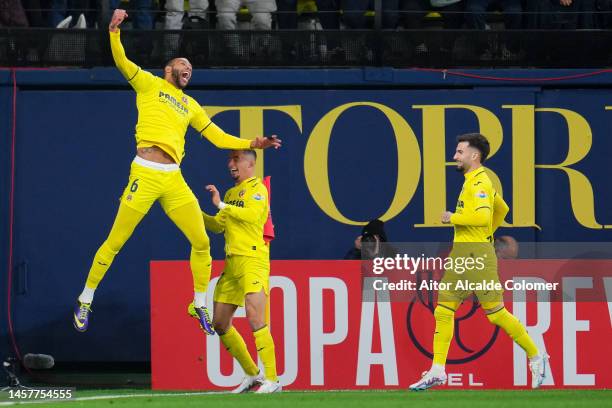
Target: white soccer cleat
{"x": 248, "y": 382}
{"x": 538, "y": 366}
{"x": 429, "y": 379}
{"x": 268, "y": 387}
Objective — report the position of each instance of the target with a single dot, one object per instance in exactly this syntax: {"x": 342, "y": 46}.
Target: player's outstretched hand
{"x": 118, "y": 16}
{"x": 265, "y": 142}
{"x": 446, "y": 216}
{"x": 214, "y": 194}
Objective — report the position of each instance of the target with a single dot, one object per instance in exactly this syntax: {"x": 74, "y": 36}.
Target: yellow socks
{"x": 200, "y": 262}
{"x": 265, "y": 348}
{"x": 234, "y": 343}
{"x": 101, "y": 262}
{"x": 511, "y": 325}
{"x": 445, "y": 325}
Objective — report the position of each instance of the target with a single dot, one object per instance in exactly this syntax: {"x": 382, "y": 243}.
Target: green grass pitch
{"x": 340, "y": 399}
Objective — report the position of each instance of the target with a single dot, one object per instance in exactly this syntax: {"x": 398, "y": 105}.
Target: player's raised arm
{"x": 138, "y": 78}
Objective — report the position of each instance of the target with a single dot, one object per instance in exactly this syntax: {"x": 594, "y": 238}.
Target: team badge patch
{"x": 129, "y": 197}
{"x": 241, "y": 193}
{"x": 184, "y": 99}
{"x": 258, "y": 197}
{"x": 481, "y": 194}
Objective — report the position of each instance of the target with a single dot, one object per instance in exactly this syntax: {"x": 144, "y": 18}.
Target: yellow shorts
{"x": 474, "y": 264}
{"x": 242, "y": 275}
{"x": 150, "y": 181}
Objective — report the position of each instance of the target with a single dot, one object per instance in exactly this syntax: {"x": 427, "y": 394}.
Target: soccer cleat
{"x": 201, "y": 313}
{"x": 80, "y": 318}
{"x": 537, "y": 365}
{"x": 268, "y": 387}
{"x": 429, "y": 379}
{"x": 248, "y": 383}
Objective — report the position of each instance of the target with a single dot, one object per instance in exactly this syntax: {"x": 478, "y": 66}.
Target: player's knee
{"x": 495, "y": 314}
{"x": 256, "y": 319}
{"x": 201, "y": 243}
{"x": 256, "y": 323}
{"x": 492, "y": 310}
{"x": 221, "y": 327}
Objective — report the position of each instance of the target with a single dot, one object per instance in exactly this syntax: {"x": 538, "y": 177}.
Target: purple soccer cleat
{"x": 80, "y": 318}
{"x": 201, "y": 313}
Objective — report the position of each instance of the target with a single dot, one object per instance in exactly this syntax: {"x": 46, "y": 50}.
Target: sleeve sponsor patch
{"x": 257, "y": 196}
{"x": 481, "y": 194}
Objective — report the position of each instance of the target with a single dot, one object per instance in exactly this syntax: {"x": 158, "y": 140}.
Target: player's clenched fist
{"x": 118, "y": 16}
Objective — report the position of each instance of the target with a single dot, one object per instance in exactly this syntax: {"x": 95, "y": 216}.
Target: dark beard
{"x": 460, "y": 169}
{"x": 176, "y": 77}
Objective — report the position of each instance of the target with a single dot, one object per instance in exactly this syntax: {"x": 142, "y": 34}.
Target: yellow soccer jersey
{"x": 243, "y": 219}
{"x": 480, "y": 210}
{"x": 164, "y": 111}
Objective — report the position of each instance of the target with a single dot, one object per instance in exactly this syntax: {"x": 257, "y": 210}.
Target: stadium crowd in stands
{"x": 317, "y": 14}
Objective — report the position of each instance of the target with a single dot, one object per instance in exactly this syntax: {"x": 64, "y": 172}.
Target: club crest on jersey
{"x": 481, "y": 194}
{"x": 258, "y": 197}
{"x": 184, "y": 99}
{"x": 241, "y": 193}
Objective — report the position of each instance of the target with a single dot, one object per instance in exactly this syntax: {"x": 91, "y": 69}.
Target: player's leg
{"x": 444, "y": 315}
{"x": 492, "y": 303}
{"x": 255, "y": 305}
{"x": 125, "y": 222}
{"x": 188, "y": 218}
{"x": 449, "y": 300}
{"x": 138, "y": 196}
{"x": 500, "y": 316}
{"x": 235, "y": 345}
{"x": 229, "y": 294}
{"x": 181, "y": 205}
{"x": 255, "y": 289}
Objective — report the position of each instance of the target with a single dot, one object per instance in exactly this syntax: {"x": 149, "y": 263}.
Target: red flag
{"x": 268, "y": 231}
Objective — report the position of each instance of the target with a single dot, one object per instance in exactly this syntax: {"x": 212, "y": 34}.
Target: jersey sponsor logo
{"x": 257, "y": 197}
{"x": 237, "y": 203}
{"x": 481, "y": 194}
{"x": 172, "y": 101}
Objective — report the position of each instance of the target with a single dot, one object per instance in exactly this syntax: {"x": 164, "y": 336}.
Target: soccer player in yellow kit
{"x": 480, "y": 211}
{"x": 164, "y": 112}
{"x": 245, "y": 278}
